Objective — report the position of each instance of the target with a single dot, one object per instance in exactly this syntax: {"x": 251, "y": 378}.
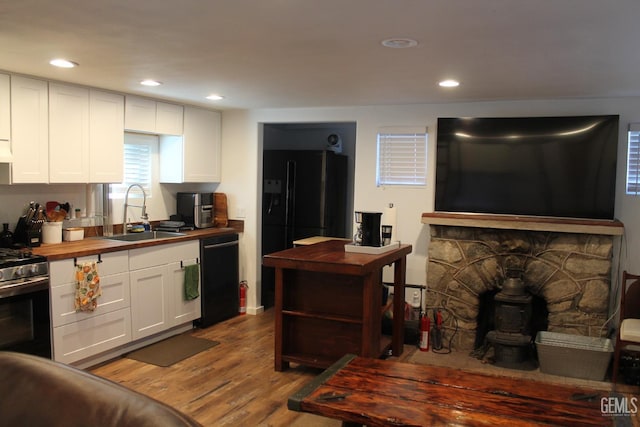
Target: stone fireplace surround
{"x": 565, "y": 262}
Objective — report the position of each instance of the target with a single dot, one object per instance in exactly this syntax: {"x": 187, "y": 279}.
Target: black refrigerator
{"x": 304, "y": 195}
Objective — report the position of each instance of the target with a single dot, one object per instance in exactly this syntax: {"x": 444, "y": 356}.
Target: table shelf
{"x": 323, "y": 316}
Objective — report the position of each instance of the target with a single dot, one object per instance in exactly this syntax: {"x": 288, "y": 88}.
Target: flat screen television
{"x": 535, "y": 166}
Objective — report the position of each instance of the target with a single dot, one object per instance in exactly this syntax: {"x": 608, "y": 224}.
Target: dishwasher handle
{"x": 221, "y": 245}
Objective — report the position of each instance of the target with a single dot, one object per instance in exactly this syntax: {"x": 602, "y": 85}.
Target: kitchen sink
{"x": 147, "y": 235}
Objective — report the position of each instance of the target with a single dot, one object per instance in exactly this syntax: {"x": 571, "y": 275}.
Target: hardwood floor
{"x": 233, "y": 383}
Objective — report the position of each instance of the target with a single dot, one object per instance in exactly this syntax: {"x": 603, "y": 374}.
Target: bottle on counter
{"x": 145, "y": 223}
{"x": 6, "y": 236}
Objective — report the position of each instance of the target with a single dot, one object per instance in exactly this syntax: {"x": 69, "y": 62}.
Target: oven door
{"x": 25, "y": 324}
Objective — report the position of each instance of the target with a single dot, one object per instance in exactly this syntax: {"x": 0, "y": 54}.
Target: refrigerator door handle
{"x": 290, "y": 203}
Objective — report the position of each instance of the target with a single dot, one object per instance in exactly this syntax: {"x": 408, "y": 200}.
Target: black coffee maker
{"x": 368, "y": 228}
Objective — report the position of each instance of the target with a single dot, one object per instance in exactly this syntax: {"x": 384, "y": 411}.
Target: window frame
{"x": 394, "y": 144}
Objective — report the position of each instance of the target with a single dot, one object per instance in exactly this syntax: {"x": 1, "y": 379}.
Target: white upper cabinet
{"x": 194, "y": 157}
{"x": 5, "y": 128}
{"x": 68, "y": 133}
{"x": 149, "y": 116}
{"x": 140, "y": 114}
{"x": 29, "y": 130}
{"x": 86, "y": 135}
{"x": 169, "y": 119}
{"x": 52, "y": 132}
{"x": 5, "y": 107}
{"x": 106, "y": 137}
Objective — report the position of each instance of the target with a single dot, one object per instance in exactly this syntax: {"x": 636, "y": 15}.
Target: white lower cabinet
{"x": 182, "y": 310}
{"x": 157, "y": 287}
{"x": 142, "y": 295}
{"x": 78, "y": 335}
{"x": 149, "y": 292}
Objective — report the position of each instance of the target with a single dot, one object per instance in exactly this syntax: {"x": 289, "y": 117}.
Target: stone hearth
{"x": 570, "y": 271}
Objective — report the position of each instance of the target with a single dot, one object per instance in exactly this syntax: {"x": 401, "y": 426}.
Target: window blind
{"x": 633, "y": 160}
{"x": 137, "y": 170}
{"x": 402, "y": 157}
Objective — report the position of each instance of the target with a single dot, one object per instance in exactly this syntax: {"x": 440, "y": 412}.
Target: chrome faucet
{"x": 143, "y": 214}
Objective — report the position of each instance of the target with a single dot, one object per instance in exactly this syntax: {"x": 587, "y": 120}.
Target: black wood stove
{"x": 511, "y": 338}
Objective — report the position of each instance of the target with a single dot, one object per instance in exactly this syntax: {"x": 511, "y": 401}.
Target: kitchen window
{"x": 402, "y": 156}
{"x": 138, "y": 150}
{"x": 633, "y": 160}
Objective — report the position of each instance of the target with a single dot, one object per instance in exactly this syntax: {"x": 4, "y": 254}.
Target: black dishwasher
{"x": 219, "y": 279}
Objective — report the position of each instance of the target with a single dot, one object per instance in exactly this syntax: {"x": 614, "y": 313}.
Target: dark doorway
{"x": 307, "y": 187}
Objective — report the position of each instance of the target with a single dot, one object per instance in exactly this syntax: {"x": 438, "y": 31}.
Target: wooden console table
{"x": 361, "y": 391}
{"x": 328, "y": 303}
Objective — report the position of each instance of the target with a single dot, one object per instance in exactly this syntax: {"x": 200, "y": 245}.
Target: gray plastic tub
{"x": 573, "y": 355}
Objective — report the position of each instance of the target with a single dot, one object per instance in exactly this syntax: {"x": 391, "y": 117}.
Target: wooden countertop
{"x": 100, "y": 245}
{"x": 330, "y": 256}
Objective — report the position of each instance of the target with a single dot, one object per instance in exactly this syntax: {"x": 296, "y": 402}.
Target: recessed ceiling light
{"x": 449, "y": 83}
{"x": 149, "y": 82}
{"x": 399, "y": 43}
{"x": 63, "y": 63}
{"x": 215, "y": 97}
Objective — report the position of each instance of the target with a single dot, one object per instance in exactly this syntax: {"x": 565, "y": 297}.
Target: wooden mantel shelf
{"x": 512, "y": 222}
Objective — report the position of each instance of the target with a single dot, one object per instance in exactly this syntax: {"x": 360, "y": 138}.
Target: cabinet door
{"x": 150, "y": 288}
{"x": 140, "y": 114}
{"x": 5, "y": 108}
{"x": 106, "y": 137}
{"x": 169, "y": 119}
{"x": 5, "y": 129}
{"x": 29, "y": 130}
{"x": 201, "y": 145}
{"x": 182, "y": 310}
{"x": 68, "y": 133}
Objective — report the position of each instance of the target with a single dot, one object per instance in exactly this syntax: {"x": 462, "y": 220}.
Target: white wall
{"x": 241, "y": 169}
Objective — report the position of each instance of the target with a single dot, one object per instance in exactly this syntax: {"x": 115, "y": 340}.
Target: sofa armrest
{"x": 40, "y": 392}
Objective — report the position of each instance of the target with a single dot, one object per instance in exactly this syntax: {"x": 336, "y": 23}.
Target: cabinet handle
{"x": 75, "y": 260}
{"x": 221, "y": 245}
{"x": 182, "y": 263}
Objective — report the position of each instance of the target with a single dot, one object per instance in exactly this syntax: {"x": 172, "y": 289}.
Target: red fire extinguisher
{"x": 425, "y": 325}
{"x": 243, "y": 297}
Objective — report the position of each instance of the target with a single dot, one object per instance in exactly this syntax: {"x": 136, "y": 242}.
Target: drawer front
{"x": 163, "y": 254}
{"x": 116, "y": 295}
{"x": 63, "y": 271}
{"x": 79, "y": 340}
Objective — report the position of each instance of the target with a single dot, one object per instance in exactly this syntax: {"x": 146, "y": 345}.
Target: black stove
{"x": 25, "y": 323}
{"x": 21, "y": 269}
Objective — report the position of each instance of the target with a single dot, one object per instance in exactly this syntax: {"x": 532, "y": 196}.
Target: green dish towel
{"x": 191, "y": 280}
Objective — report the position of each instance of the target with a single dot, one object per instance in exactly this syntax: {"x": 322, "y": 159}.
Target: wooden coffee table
{"x": 374, "y": 392}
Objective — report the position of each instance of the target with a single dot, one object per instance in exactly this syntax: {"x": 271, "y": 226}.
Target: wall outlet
{"x": 241, "y": 212}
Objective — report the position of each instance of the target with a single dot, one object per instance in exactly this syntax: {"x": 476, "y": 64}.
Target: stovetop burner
{"x": 11, "y": 257}
{"x": 17, "y": 265}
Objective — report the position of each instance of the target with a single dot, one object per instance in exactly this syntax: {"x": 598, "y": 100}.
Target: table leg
{"x": 279, "y": 365}
{"x": 399, "y": 278}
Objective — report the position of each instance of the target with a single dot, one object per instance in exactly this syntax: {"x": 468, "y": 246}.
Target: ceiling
{"x": 312, "y": 53}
